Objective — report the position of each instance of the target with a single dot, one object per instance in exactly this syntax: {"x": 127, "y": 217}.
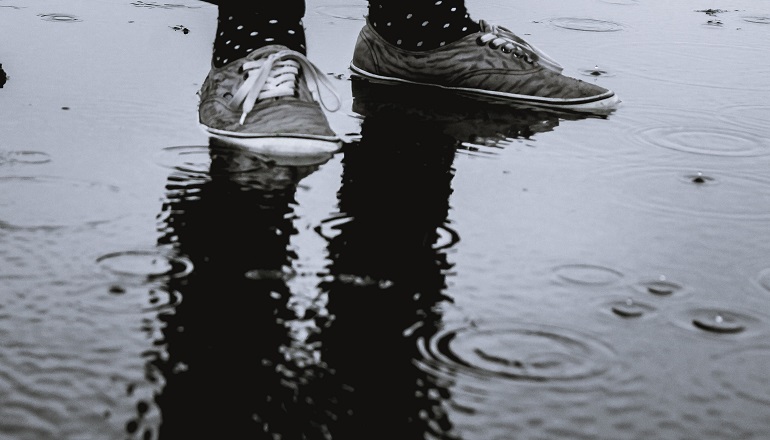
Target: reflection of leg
{"x": 387, "y": 279}
{"x": 224, "y": 370}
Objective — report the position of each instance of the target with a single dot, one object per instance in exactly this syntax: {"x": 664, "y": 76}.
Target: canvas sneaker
{"x": 264, "y": 102}
{"x": 493, "y": 64}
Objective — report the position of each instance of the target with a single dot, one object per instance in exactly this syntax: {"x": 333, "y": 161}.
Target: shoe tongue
{"x": 485, "y": 26}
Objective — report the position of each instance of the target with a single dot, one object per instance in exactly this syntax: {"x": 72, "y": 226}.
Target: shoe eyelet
{"x": 227, "y": 95}
{"x": 493, "y": 45}
{"x": 480, "y": 42}
{"x": 506, "y": 49}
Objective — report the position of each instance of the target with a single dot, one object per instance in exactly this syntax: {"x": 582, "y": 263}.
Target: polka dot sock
{"x": 239, "y": 34}
{"x": 421, "y": 25}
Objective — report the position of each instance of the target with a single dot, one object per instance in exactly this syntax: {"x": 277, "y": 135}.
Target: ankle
{"x": 421, "y": 27}
{"x": 238, "y": 34}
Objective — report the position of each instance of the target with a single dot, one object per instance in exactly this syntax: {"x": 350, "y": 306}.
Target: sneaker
{"x": 263, "y": 102}
{"x": 493, "y": 64}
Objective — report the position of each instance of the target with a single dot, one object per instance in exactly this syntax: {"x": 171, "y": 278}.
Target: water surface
{"x": 456, "y": 272}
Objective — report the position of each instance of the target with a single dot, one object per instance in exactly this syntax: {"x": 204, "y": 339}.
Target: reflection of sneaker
{"x": 263, "y": 102}
{"x": 493, "y": 64}
{"x": 469, "y": 122}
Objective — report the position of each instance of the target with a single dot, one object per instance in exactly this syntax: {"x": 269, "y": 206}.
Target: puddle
{"x": 511, "y": 270}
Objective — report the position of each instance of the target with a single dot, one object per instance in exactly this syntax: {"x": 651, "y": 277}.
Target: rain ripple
{"x": 753, "y": 117}
{"x": 587, "y": 274}
{"x": 345, "y": 12}
{"x": 660, "y": 287}
{"x": 585, "y": 24}
{"x": 119, "y": 298}
{"x": 743, "y": 373}
{"x": 150, "y": 264}
{"x": 630, "y": 308}
{"x": 529, "y": 353}
{"x": 718, "y": 320}
{"x": 758, "y": 19}
{"x": 24, "y": 157}
{"x": 51, "y": 202}
{"x": 706, "y": 193}
{"x": 714, "y": 66}
{"x": 59, "y": 18}
{"x": 707, "y": 140}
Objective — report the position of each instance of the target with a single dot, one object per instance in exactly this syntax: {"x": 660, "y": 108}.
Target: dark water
{"x": 456, "y": 272}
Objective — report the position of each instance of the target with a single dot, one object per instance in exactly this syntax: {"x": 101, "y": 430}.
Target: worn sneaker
{"x": 263, "y": 102}
{"x": 493, "y": 64}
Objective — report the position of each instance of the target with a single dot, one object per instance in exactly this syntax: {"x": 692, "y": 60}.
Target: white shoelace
{"x": 276, "y": 76}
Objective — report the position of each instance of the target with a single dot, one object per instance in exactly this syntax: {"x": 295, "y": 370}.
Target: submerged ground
{"x": 455, "y": 272}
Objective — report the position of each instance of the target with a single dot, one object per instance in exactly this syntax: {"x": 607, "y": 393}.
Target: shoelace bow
{"x": 276, "y": 76}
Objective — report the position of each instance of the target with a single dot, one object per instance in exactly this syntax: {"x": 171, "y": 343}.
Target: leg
{"x": 245, "y": 27}
{"x": 422, "y": 24}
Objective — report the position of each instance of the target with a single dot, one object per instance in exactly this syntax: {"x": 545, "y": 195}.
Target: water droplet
{"x": 700, "y": 179}
{"x": 718, "y": 324}
{"x": 630, "y": 308}
{"x": 661, "y": 287}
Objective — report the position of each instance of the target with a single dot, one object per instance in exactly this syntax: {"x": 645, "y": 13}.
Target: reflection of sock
{"x": 239, "y": 34}
{"x": 421, "y": 25}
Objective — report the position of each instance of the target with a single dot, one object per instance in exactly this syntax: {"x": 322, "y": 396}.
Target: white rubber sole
{"x": 600, "y": 104}
{"x": 282, "y": 150}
